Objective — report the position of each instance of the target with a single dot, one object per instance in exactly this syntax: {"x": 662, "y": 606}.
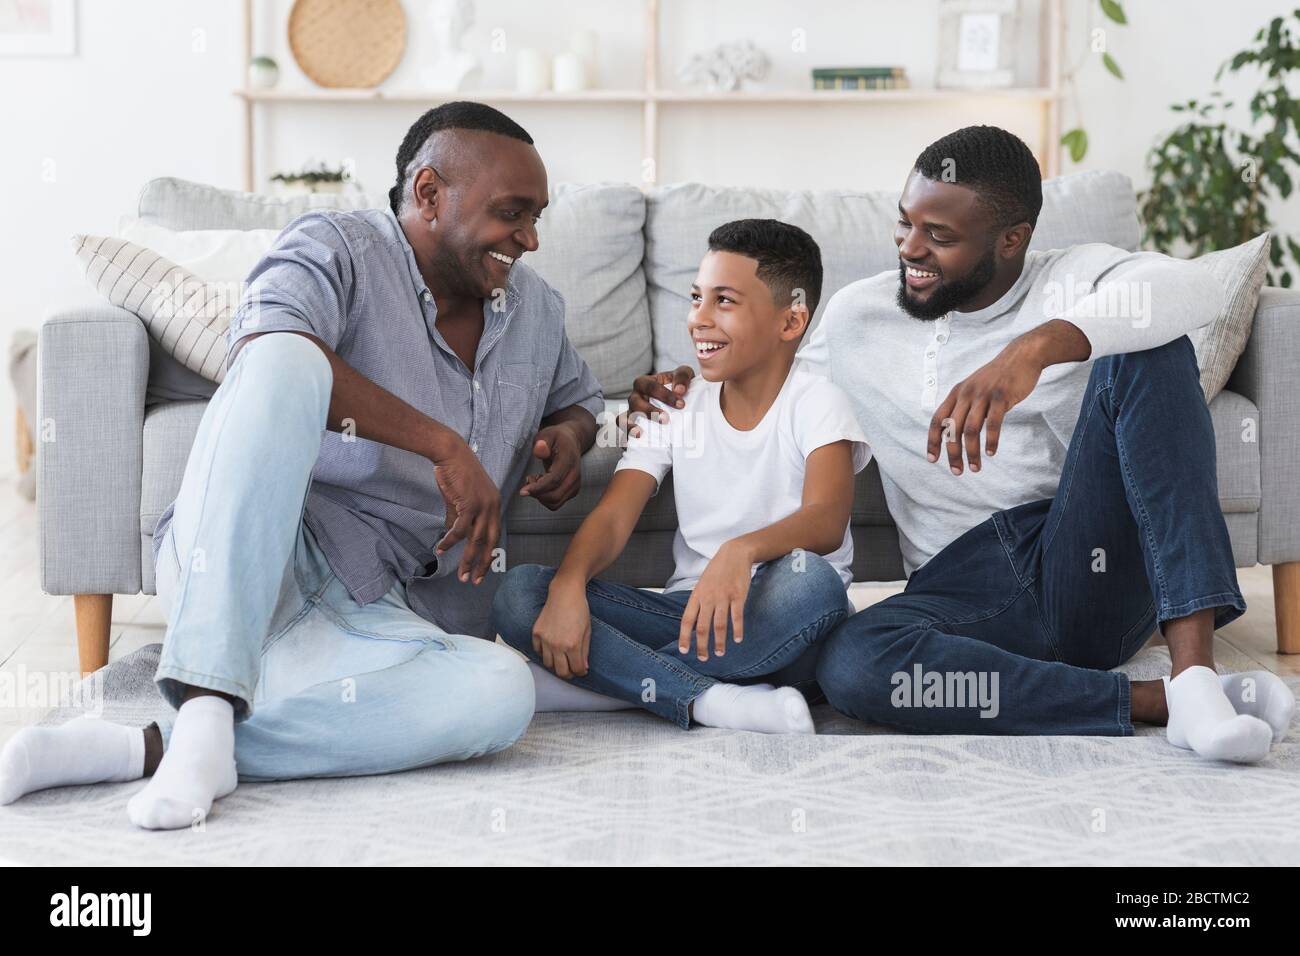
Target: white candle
{"x": 531, "y": 73}
{"x": 584, "y": 44}
{"x": 569, "y": 74}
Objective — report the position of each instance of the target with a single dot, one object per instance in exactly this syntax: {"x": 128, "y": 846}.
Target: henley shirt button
{"x": 942, "y": 337}
{"x": 929, "y": 381}
{"x": 476, "y": 385}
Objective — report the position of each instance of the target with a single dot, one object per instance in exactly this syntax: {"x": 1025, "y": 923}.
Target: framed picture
{"x": 38, "y": 27}
{"x": 977, "y": 43}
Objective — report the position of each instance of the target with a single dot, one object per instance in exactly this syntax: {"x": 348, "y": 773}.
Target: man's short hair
{"x": 996, "y": 164}
{"x": 462, "y": 114}
{"x": 788, "y": 258}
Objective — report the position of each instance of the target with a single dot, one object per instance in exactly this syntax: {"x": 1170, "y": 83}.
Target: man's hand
{"x": 560, "y": 451}
{"x": 719, "y": 596}
{"x": 473, "y": 507}
{"x": 562, "y": 632}
{"x": 667, "y": 387}
{"x": 984, "y": 398}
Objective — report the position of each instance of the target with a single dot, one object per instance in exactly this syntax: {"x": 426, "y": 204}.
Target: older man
{"x": 324, "y": 565}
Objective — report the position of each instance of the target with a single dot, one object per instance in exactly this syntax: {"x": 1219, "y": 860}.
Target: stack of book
{"x": 860, "y": 78}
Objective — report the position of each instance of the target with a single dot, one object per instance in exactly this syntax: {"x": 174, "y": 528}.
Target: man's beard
{"x": 947, "y": 295}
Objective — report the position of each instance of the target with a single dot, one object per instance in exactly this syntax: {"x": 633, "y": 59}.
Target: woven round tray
{"x": 347, "y": 43}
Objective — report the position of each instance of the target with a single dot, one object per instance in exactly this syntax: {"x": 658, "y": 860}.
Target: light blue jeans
{"x": 324, "y": 686}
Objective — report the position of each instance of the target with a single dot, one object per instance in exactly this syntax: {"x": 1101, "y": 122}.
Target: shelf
{"x": 428, "y": 96}
{"x": 757, "y": 97}
{"x": 652, "y": 100}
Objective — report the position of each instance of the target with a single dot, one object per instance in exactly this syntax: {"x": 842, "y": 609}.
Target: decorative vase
{"x": 263, "y": 73}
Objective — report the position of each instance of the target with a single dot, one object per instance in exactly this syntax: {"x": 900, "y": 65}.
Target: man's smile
{"x": 919, "y": 279}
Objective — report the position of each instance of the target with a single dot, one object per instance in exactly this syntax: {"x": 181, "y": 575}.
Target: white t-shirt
{"x": 727, "y": 483}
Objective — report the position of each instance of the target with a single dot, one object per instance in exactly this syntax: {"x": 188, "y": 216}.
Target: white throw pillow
{"x": 187, "y": 316}
{"x": 218, "y": 255}
{"x": 1242, "y": 271}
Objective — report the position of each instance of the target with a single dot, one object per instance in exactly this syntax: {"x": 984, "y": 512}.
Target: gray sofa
{"x": 119, "y": 416}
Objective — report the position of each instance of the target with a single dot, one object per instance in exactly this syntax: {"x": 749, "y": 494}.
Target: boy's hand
{"x": 720, "y": 595}
{"x": 559, "y": 450}
{"x": 668, "y": 387}
{"x": 562, "y": 632}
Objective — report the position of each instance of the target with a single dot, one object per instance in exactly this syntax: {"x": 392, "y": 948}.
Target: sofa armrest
{"x": 1268, "y": 373}
{"x": 93, "y": 369}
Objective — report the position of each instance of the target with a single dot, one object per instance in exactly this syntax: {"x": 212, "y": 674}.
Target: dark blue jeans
{"x": 793, "y": 602}
{"x": 1011, "y": 628}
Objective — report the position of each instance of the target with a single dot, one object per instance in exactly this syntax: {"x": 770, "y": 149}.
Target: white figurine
{"x": 726, "y": 66}
{"x": 452, "y": 66}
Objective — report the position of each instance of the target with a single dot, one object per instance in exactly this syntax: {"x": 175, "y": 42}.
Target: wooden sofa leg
{"x": 94, "y": 621}
{"x": 1286, "y": 598}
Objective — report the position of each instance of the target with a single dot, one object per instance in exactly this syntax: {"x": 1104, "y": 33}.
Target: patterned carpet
{"x": 626, "y": 788}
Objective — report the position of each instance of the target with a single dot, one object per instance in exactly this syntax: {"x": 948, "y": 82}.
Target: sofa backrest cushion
{"x": 182, "y": 205}
{"x": 592, "y": 242}
{"x": 854, "y": 229}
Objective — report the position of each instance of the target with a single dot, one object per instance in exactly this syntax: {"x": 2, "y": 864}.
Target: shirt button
{"x": 941, "y": 337}
{"x": 474, "y": 448}
{"x": 929, "y": 353}
{"x": 476, "y": 386}
{"x": 427, "y": 295}
{"x": 930, "y": 381}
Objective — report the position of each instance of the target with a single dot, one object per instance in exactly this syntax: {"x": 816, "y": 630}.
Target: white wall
{"x": 149, "y": 94}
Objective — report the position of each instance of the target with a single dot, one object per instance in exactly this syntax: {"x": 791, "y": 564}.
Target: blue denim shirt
{"x": 351, "y": 279}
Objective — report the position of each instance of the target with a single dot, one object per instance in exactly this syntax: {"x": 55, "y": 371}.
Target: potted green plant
{"x": 1212, "y": 182}
{"x": 312, "y": 179}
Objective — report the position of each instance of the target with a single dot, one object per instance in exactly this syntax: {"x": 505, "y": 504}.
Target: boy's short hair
{"x": 788, "y": 258}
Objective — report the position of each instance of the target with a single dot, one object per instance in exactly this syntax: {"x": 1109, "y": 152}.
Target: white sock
{"x": 758, "y": 707}
{"x": 85, "y": 750}
{"x": 1264, "y": 695}
{"x": 198, "y": 767}
{"x": 1201, "y": 718}
{"x": 555, "y": 693}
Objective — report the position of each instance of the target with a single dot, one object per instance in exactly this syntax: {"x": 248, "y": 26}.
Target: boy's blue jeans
{"x": 323, "y": 686}
{"x": 793, "y": 602}
{"x": 1044, "y": 598}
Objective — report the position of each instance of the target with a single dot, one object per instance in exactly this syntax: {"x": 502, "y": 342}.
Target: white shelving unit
{"x": 651, "y": 96}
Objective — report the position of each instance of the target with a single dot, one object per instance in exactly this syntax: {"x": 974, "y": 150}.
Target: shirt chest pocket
{"x": 518, "y": 402}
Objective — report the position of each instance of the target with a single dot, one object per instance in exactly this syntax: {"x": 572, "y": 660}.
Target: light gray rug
{"x": 626, "y": 788}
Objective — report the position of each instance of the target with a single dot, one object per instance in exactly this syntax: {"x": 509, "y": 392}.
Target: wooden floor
{"x": 38, "y": 647}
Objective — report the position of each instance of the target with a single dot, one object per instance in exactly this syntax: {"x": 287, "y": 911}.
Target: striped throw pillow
{"x": 1242, "y": 270}
{"x": 187, "y": 316}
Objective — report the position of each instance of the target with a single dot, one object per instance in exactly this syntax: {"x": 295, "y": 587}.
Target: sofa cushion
{"x": 185, "y": 315}
{"x": 169, "y": 431}
{"x": 1241, "y": 271}
{"x": 854, "y": 229}
{"x": 590, "y": 246}
{"x": 1236, "y": 439}
{"x": 539, "y": 535}
{"x": 180, "y": 204}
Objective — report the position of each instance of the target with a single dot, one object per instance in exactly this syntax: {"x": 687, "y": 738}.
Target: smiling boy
{"x": 763, "y": 460}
